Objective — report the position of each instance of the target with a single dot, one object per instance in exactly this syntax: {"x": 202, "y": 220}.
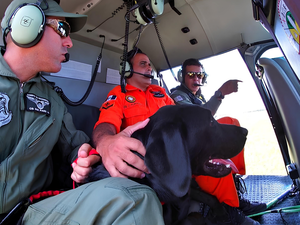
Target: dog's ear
{"x": 168, "y": 160}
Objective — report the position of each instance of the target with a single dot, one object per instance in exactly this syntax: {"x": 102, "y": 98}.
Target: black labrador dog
{"x": 181, "y": 141}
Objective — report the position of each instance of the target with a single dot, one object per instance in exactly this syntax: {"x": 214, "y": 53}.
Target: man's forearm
{"x": 213, "y": 104}
{"x": 102, "y": 130}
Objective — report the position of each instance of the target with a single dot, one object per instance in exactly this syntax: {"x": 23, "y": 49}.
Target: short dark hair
{"x": 132, "y": 53}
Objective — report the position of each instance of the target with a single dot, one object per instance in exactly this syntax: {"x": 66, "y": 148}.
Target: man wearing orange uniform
{"x": 120, "y": 110}
{"x": 141, "y": 100}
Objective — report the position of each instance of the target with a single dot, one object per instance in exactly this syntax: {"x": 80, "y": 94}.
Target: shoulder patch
{"x": 178, "y": 98}
{"x": 5, "y": 113}
{"x": 107, "y": 105}
{"x": 111, "y": 97}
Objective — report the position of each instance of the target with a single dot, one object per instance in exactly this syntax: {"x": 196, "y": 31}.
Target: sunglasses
{"x": 59, "y": 26}
{"x": 200, "y": 75}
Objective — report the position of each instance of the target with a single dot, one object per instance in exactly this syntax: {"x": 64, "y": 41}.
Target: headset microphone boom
{"x": 143, "y": 74}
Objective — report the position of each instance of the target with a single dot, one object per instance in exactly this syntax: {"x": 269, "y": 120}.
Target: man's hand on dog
{"x": 115, "y": 150}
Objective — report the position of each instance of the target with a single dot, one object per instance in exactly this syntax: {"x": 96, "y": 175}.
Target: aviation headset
{"x": 146, "y": 12}
{"x": 27, "y": 24}
{"x": 128, "y": 66}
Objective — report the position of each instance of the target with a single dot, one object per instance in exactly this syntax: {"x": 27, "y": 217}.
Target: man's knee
{"x": 108, "y": 201}
{"x": 121, "y": 188}
{"x": 126, "y": 201}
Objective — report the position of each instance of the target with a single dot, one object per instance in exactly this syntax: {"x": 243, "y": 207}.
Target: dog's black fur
{"x": 180, "y": 141}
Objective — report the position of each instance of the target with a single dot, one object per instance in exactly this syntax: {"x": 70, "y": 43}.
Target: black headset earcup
{"x": 27, "y": 25}
{"x": 179, "y": 75}
{"x": 141, "y": 14}
{"x": 204, "y": 79}
{"x": 147, "y": 12}
{"x": 128, "y": 72}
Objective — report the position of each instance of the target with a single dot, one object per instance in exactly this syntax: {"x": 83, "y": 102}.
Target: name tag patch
{"x": 37, "y": 104}
{"x": 158, "y": 94}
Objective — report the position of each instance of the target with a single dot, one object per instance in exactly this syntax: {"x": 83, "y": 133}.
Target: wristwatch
{"x": 219, "y": 94}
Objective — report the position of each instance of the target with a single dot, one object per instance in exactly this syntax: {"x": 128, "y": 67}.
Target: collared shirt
{"x": 182, "y": 95}
{"x": 125, "y": 109}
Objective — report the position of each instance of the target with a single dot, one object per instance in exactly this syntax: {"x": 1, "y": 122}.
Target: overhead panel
{"x": 174, "y": 40}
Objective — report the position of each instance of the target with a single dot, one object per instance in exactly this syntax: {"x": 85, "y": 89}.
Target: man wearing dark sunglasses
{"x": 34, "y": 120}
{"x": 61, "y": 27}
{"x": 192, "y": 77}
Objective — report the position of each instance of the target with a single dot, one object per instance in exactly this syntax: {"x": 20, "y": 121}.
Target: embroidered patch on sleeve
{"x": 111, "y": 97}
{"x": 178, "y": 98}
{"x": 5, "y": 113}
{"x": 107, "y": 105}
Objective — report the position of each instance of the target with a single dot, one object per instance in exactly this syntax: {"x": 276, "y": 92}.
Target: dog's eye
{"x": 211, "y": 123}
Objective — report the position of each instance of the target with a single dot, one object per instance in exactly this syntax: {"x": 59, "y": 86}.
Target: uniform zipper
{"x": 21, "y": 88}
{"x": 21, "y": 105}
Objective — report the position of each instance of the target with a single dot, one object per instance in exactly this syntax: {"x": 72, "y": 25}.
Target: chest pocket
{"x": 134, "y": 114}
{"x": 135, "y": 110}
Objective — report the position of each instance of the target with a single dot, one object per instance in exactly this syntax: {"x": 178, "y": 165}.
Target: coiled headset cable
{"x": 60, "y": 91}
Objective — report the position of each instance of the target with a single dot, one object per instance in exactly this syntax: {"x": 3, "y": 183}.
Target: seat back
{"x": 84, "y": 117}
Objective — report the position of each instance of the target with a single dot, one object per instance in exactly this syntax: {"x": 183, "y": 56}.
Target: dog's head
{"x": 214, "y": 145}
{"x": 185, "y": 140}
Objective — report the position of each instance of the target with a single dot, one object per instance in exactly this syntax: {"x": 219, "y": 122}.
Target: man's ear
{"x": 167, "y": 159}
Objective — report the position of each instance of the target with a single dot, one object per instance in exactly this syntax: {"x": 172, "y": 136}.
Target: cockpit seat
{"x": 84, "y": 117}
